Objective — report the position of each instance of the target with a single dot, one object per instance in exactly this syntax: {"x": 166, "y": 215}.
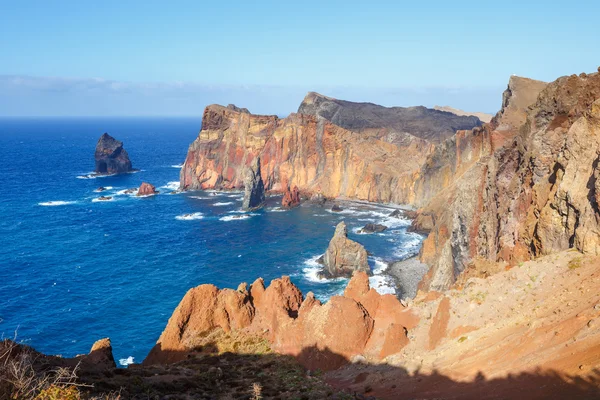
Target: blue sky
{"x": 154, "y": 58}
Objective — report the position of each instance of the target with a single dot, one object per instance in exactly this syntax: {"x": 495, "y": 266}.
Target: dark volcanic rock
{"x": 424, "y": 123}
{"x": 373, "y": 228}
{"x": 104, "y": 198}
{"x": 254, "y": 188}
{"x": 344, "y": 256}
{"x": 111, "y": 157}
{"x": 291, "y": 198}
{"x": 146, "y": 189}
{"x": 396, "y": 214}
{"x": 337, "y": 208}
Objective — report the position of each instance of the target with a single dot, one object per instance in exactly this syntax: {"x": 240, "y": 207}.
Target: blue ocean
{"x": 74, "y": 269}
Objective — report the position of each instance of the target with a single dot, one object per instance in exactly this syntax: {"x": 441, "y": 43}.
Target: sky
{"x": 157, "y": 58}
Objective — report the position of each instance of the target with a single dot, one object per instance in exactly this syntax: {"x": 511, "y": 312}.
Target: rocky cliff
{"x": 344, "y": 256}
{"x": 535, "y": 194}
{"x": 111, "y": 157}
{"x": 366, "y": 157}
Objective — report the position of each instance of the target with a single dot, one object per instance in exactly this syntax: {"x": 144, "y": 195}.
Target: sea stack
{"x": 344, "y": 256}
{"x": 146, "y": 189}
{"x": 111, "y": 157}
{"x": 291, "y": 198}
{"x": 254, "y": 188}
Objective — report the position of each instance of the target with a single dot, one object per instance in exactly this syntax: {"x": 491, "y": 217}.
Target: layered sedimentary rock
{"x": 324, "y": 336}
{"x": 535, "y": 195}
{"x": 254, "y": 188}
{"x": 111, "y": 157}
{"x": 366, "y": 157}
{"x": 344, "y": 256}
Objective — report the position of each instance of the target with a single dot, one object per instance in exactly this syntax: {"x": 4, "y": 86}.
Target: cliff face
{"x": 374, "y": 159}
{"x": 535, "y": 195}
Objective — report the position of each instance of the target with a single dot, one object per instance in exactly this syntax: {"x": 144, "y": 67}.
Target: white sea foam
{"x": 105, "y": 188}
{"x": 174, "y": 185}
{"x": 177, "y": 166}
{"x": 410, "y": 245}
{"x": 236, "y": 217}
{"x": 383, "y": 284}
{"x": 99, "y": 200}
{"x": 56, "y": 203}
{"x": 276, "y": 209}
{"x": 223, "y": 203}
{"x": 124, "y": 192}
{"x": 190, "y": 217}
{"x": 198, "y": 197}
{"x": 311, "y": 271}
{"x": 126, "y": 361}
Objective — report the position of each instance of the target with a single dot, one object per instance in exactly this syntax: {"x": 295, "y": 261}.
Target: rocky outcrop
{"x": 373, "y": 228}
{"x": 344, "y": 256}
{"x": 146, "y": 189}
{"x": 111, "y": 157}
{"x": 325, "y": 336}
{"x": 365, "y": 158}
{"x": 534, "y": 195}
{"x": 254, "y": 188}
{"x": 291, "y": 198}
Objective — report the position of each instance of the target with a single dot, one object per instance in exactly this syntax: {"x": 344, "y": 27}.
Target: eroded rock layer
{"x": 534, "y": 195}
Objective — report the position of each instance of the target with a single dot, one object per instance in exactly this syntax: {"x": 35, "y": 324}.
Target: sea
{"x": 74, "y": 269}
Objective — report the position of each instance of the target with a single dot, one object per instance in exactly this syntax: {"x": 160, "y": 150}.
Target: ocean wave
{"x": 311, "y": 271}
{"x": 56, "y": 203}
{"x": 127, "y": 192}
{"x": 198, "y": 197}
{"x": 126, "y": 361}
{"x": 383, "y": 284}
{"x": 99, "y": 200}
{"x": 177, "y": 166}
{"x": 190, "y": 217}
{"x": 223, "y": 203}
{"x": 173, "y": 185}
{"x": 276, "y": 209}
{"x": 236, "y": 217}
{"x": 411, "y": 243}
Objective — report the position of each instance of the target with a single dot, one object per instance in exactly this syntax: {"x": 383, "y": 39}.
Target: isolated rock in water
{"x": 254, "y": 188}
{"x": 373, "y": 228}
{"x": 111, "y": 157}
{"x": 146, "y": 189}
{"x": 104, "y": 198}
{"x": 291, "y": 198}
{"x": 396, "y": 214}
{"x": 344, "y": 256}
{"x": 336, "y": 208}
{"x": 101, "y": 189}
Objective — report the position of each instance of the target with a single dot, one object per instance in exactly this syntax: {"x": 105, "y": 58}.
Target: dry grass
{"x": 575, "y": 263}
{"x": 219, "y": 342}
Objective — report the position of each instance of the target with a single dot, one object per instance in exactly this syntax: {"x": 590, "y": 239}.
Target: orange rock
{"x": 146, "y": 189}
{"x": 439, "y": 326}
{"x": 291, "y": 198}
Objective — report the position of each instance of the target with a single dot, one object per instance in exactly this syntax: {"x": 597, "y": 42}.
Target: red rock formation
{"x": 344, "y": 256}
{"x": 146, "y": 189}
{"x": 291, "y": 198}
{"x": 325, "y": 336}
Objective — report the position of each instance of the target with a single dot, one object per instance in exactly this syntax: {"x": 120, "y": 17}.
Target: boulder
{"x": 336, "y": 208}
{"x": 373, "y": 228}
{"x": 101, "y": 355}
{"x": 344, "y": 256}
{"x": 396, "y": 214}
{"x": 291, "y": 198}
{"x": 254, "y": 188}
{"x": 146, "y": 189}
{"x": 111, "y": 157}
{"x": 105, "y": 198}
{"x": 317, "y": 198}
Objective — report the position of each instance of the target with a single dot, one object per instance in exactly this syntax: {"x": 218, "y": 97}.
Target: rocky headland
{"x": 509, "y": 307}
{"x": 111, "y": 157}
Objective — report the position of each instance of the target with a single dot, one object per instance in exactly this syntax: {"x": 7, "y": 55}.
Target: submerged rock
{"x": 291, "y": 198}
{"x": 101, "y": 189}
{"x": 344, "y": 256}
{"x": 254, "y": 188}
{"x": 111, "y": 157}
{"x": 373, "y": 228}
{"x": 337, "y": 208}
{"x": 104, "y": 198}
{"x": 146, "y": 189}
{"x": 396, "y": 214}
